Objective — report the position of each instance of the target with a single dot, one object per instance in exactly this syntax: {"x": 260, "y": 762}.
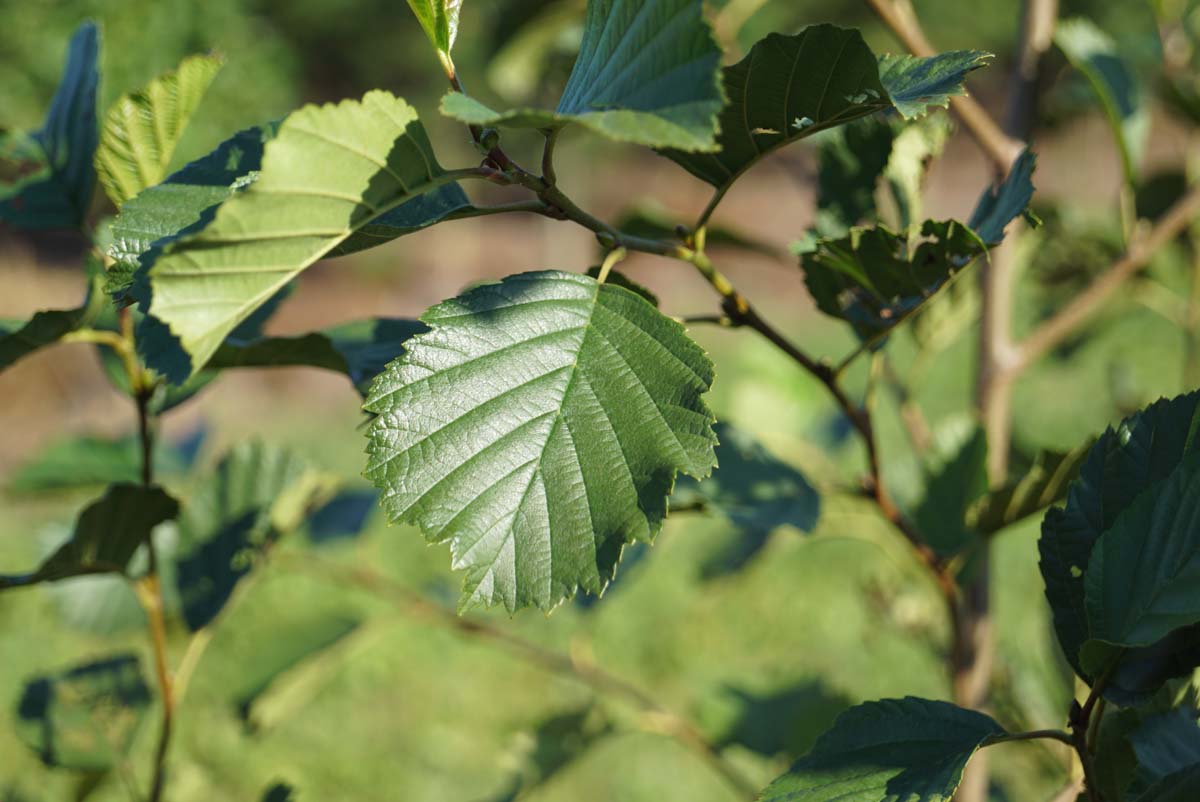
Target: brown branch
{"x": 1053, "y": 331}
{"x": 1000, "y": 148}
{"x": 550, "y": 661}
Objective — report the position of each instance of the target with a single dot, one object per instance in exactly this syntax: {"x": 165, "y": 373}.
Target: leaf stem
{"x": 1033, "y": 735}
{"x": 600, "y": 680}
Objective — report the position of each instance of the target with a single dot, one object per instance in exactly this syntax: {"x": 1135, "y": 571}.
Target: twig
{"x": 550, "y": 661}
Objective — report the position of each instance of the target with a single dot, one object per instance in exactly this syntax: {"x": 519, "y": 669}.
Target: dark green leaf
{"x": 439, "y": 18}
{"x": 343, "y": 516}
{"x": 1000, "y": 206}
{"x": 84, "y": 718}
{"x": 46, "y": 328}
{"x": 785, "y": 89}
{"x": 648, "y": 72}
{"x": 106, "y": 535}
{"x": 909, "y": 749}
{"x": 1165, "y": 743}
{"x": 1094, "y": 53}
{"x": 649, "y": 220}
{"x": 1044, "y": 484}
{"x": 143, "y": 127}
{"x": 54, "y": 189}
{"x": 874, "y": 278}
{"x": 255, "y": 495}
{"x": 279, "y": 792}
{"x": 327, "y": 173}
{"x": 914, "y": 84}
{"x": 1182, "y": 786}
{"x": 538, "y": 428}
{"x": 785, "y": 721}
{"x": 850, "y": 163}
{"x": 556, "y": 743}
{"x": 360, "y": 350}
{"x": 1139, "y": 454}
{"x": 421, "y": 212}
{"x": 951, "y": 488}
{"x": 1143, "y": 579}
{"x": 1115, "y": 761}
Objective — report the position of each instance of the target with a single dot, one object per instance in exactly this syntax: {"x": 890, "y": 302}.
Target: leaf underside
{"x": 538, "y": 428}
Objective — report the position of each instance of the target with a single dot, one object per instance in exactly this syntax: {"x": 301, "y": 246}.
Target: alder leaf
{"x": 1001, "y": 205}
{"x": 648, "y": 72}
{"x": 439, "y": 18}
{"x": 788, "y": 88}
{"x": 1164, "y": 744}
{"x": 952, "y": 486}
{"x": 914, "y": 84}
{"x": 19, "y": 340}
{"x": 910, "y": 749}
{"x": 1125, "y": 462}
{"x": 54, "y": 163}
{"x": 106, "y": 535}
{"x": 1180, "y": 786}
{"x": 327, "y": 173}
{"x": 1044, "y": 484}
{"x": 142, "y": 128}
{"x": 538, "y": 428}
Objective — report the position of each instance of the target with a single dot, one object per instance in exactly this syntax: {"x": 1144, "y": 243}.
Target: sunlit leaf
{"x": 439, "y": 18}
{"x": 914, "y": 84}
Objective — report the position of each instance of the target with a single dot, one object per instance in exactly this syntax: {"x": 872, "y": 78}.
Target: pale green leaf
{"x": 84, "y": 718}
{"x": 439, "y": 18}
{"x": 903, "y": 749}
{"x": 648, "y": 72}
{"x": 1124, "y": 463}
{"x": 538, "y": 428}
{"x": 106, "y": 535}
{"x": 915, "y": 146}
{"x": 914, "y": 84}
{"x": 329, "y": 171}
{"x": 56, "y": 179}
{"x": 1094, "y": 53}
{"x": 785, "y": 89}
{"x": 143, "y": 127}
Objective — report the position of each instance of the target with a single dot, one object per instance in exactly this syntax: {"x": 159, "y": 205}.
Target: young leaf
{"x": 538, "y": 427}
{"x": 648, "y": 72}
{"x": 910, "y": 749}
{"x": 327, "y": 173}
{"x": 914, "y": 84}
{"x": 255, "y": 495}
{"x": 18, "y": 340}
{"x": 1045, "y": 484}
{"x": 1000, "y": 206}
{"x": 439, "y": 18}
{"x": 1094, "y": 53}
{"x": 360, "y": 350}
{"x": 785, "y": 89}
{"x": 84, "y": 718}
{"x": 874, "y": 278}
{"x": 106, "y": 535}
{"x": 1141, "y": 453}
{"x": 143, "y": 127}
{"x": 1143, "y": 579}
{"x": 56, "y": 187}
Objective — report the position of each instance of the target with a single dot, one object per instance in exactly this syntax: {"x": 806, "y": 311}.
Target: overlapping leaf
{"x": 106, "y": 535}
{"x": 648, "y": 72}
{"x": 914, "y": 84}
{"x": 1164, "y": 744}
{"x": 55, "y": 178}
{"x": 18, "y": 340}
{"x": 142, "y": 128}
{"x": 1001, "y": 205}
{"x": 952, "y": 486}
{"x": 910, "y": 749}
{"x": 327, "y": 173}
{"x": 850, "y": 163}
{"x": 538, "y": 428}
{"x": 1044, "y": 484}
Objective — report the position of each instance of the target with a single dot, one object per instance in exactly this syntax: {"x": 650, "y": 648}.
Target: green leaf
{"x": 951, "y": 488}
{"x": 552, "y": 745}
{"x": 788, "y": 88}
{"x": 1125, "y": 462}
{"x": 18, "y": 340}
{"x": 279, "y": 792}
{"x": 751, "y": 487}
{"x": 1094, "y": 53}
{"x": 360, "y": 350}
{"x": 1182, "y": 786}
{"x": 914, "y": 84}
{"x": 905, "y": 749}
{"x": 850, "y": 162}
{"x": 54, "y": 189}
{"x": 329, "y": 171}
{"x": 439, "y": 18}
{"x": 915, "y": 146}
{"x": 84, "y": 718}
{"x": 648, "y": 72}
{"x": 143, "y": 127}
{"x": 434, "y": 206}
{"x": 538, "y": 427}
{"x": 874, "y": 278}
{"x": 256, "y": 494}
{"x": 1143, "y": 579}
{"x": 1000, "y": 206}
{"x": 77, "y": 462}
{"x": 650, "y": 220}
{"x": 1164, "y": 743}
{"x": 106, "y": 535}
{"x": 1044, "y": 484}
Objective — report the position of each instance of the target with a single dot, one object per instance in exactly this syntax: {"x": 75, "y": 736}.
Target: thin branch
{"x": 1000, "y": 148}
{"x": 1059, "y": 327}
{"x": 550, "y": 661}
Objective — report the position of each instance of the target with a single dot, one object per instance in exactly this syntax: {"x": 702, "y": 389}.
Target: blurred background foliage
{"x": 759, "y": 637}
